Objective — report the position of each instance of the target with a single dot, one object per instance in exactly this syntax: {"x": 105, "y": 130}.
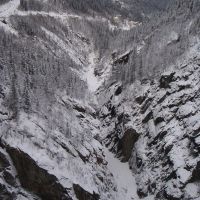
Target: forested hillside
{"x": 99, "y": 99}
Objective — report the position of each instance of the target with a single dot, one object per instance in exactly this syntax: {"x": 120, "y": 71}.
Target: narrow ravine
{"x": 122, "y": 175}
{"x": 92, "y": 81}
{"x": 124, "y": 178}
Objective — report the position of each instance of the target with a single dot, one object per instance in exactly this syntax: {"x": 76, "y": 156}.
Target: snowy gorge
{"x": 99, "y": 100}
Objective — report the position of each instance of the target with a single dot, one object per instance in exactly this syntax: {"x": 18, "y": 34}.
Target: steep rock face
{"x": 36, "y": 179}
{"x": 51, "y": 163}
{"x": 84, "y": 195}
{"x": 126, "y": 143}
{"x": 164, "y": 113}
{"x": 10, "y": 187}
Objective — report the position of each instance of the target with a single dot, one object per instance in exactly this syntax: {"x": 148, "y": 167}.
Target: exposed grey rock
{"x": 126, "y": 143}
{"x": 167, "y": 157}
{"x": 35, "y": 179}
{"x": 84, "y": 195}
{"x": 80, "y": 75}
{"x": 166, "y": 79}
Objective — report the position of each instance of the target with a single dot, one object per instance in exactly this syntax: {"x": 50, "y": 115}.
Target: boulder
{"x": 126, "y": 143}
{"x": 166, "y": 79}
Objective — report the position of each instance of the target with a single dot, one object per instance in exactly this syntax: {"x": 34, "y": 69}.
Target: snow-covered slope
{"x": 86, "y": 109}
{"x": 155, "y": 126}
{"x": 9, "y": 8}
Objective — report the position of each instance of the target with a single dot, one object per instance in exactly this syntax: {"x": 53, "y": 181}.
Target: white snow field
{"x": 9, "y": 8}
{"x": 125, "y": 180}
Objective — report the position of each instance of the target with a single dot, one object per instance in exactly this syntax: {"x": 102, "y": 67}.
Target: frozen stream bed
{"x": 125, "y": 180}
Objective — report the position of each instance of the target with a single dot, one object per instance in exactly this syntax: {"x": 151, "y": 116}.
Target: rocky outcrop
{"x": 122, "y": 59}
{"x": 32, "y": 178}
{"x": 166, "y": 79}
{"x": 81, "y": 194}
{"x": 35, "y": 179}
{"x": 126, "y": 144}
{"x": 162, "y": 146}
{"x": 10, "y": 187}
{"x": 7, "y": 176}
